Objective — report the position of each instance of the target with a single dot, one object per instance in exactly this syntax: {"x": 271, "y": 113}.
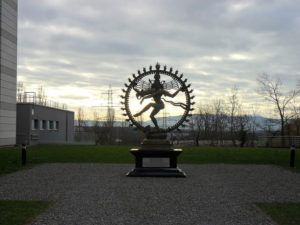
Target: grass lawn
{"x": 20, "y": 212}
{"x": 282, "y": 213}
{"x": 273, "y": 156}
{"x": 10, "y": 159}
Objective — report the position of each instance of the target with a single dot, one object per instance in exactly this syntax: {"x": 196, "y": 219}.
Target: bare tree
{"x": 233, "y": 113}
{"x": 81, "y": 119}
{"x": 200, "y": 124}
{"x": 20, "y": 91}
{"x": 219, "y": 123}
{"x": 206, "y": 117}
{"x": 108, "y": 127}
{"x": 241, "y": 124}
{"x": 243, "y": 128}
{"x": 271, "y": 89}
{"x": 110, "y": 117}
{"x": 295, "y": 123}
{"x": 214, "y": 123}
{"x": 253, "y": 125}
{"x": 269, "y": 127}
{"x": 97, "y": 129}
{"x": 41, "y": 96}
{"x": 196, "y": 126}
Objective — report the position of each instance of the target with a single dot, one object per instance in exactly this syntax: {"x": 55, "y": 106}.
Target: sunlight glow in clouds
{"x": 239, "y": 6}
{"x": 241, "y": 57}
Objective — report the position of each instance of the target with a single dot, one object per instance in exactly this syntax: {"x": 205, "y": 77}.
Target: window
{"x": 44, "y": 124}
{"x": 35, "y": 124}
{"x": 56, "y": 125}
{"x": 51, "y": 126}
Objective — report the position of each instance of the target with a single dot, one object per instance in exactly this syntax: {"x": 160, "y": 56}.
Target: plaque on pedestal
{"x": 157, "y": 163}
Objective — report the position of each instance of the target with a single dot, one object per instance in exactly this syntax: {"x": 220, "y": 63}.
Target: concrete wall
{"x": 23, "y": 123}
{"x": 8, "y": 70}
{"x": 26, "y": 133}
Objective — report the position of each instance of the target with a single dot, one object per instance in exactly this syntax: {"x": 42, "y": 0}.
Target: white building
{"x": 8, "y": 70}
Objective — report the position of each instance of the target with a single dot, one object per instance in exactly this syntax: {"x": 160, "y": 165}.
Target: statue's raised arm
{"x": 166, "y": 93}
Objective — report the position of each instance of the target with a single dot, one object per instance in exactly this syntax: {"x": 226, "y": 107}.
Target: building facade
{"x": 8, "y": 70}
{"x": 38, "y": 124}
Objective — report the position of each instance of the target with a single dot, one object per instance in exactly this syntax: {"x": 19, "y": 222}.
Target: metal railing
{"x": 30, "y": 97}
{"x": 279, "y": 141}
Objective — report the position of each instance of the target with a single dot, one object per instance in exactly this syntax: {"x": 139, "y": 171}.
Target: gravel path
{"x": 89, "y": 194}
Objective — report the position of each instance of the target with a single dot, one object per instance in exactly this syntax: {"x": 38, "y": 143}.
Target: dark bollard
{"x": 292, "y": 156}
{"x": 23, "y": 154}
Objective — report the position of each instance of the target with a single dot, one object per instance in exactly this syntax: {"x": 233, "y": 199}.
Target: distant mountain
{"x": 91, "y": 123}
{"x": 170, "y": 120}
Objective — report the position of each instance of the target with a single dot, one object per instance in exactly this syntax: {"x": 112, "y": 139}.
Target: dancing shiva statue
{"x": 148, "y": 94}
{"x": 161, "y": 91}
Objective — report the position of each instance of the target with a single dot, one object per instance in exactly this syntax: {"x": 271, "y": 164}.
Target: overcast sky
{"x": 76, "y": 49}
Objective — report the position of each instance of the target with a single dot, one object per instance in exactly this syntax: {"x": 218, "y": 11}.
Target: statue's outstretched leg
{"x": 153, "y": 113}
{"x": 144, "y": 109}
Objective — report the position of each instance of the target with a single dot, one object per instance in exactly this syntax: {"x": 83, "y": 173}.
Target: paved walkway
{"x": 89, "y": 194}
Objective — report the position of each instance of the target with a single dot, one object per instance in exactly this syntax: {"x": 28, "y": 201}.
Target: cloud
{"x": 89, "y": 45}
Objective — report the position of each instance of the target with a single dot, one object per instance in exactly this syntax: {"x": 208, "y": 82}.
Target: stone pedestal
{"x": 156, "y": 163}
{"x": 156, "y": 158}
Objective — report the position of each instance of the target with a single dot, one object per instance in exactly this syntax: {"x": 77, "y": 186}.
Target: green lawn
{"x": 282, "y": 213}
{"x": 20, "y": 212}
{"x": 274, "y": 156}
{"x": 10, "y": 159}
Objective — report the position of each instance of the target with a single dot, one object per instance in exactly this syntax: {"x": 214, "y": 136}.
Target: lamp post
{"x": 23, "y": 154}
{"x": 292, "y": 156}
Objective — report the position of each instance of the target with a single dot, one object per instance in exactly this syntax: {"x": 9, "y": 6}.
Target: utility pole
{"x": 165, "y": 119}
{"x": 110, "y": 111}
{"x": 110, "y": 117}
{"x": 20, "y": 92}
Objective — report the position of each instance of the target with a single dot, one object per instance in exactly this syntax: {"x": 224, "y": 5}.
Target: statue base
{"x": 156, "y": 162}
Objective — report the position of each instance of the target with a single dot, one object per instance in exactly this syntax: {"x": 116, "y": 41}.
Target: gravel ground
{"x": 89, "y": 194}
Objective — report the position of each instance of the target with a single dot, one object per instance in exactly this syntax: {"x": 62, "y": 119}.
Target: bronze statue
{"x": 157, "y": 89}
{"x": 156, "y": 146}
{"x": 156, "y": 92}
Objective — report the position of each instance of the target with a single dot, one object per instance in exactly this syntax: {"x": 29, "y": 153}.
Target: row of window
{"x": 44, "y": 124}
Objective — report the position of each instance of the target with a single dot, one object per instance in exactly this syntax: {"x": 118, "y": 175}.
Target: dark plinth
{"x": 169, "y": 170}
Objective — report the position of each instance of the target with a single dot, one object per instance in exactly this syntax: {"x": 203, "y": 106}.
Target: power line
{"x": 110, "y": 105}
{"x": 165, "y": 118}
